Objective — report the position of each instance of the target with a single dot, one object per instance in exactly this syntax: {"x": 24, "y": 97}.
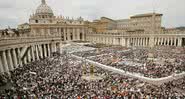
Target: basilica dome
{"x": 44, "y": 9}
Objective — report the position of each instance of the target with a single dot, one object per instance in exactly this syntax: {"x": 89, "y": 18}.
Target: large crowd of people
{"x": 162, "y": 62}
{"x": 60, "y": 76}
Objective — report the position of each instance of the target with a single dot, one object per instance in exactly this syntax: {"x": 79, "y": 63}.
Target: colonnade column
{"x": 49, "y": 52}
{"x": 1, "y": 65}
{"x": 19, "y": 57}
{"x": 10, "y": 62}
{"x": 15, "y": 58}
{"x": 142, "y": 42}
{"x": 128, "y": 42}
{"x": 45, "y": 50}
{"x": 32, "y": 53}
{"x": 179, "y": 42}
{"x": 25, "y": 59}
{"x": 74, "y": 36}
{"x": 41, "y": 51}
{"x": 37, "y": 54}
{"x": 175, "y": 41}
{"x": 78, "y": 34}
{"x": 172, "y": 41}
{"x": 29, "y": 55}
{"x": 64, "y": 34}
{"x": 68, "y": 34}
{"x": 5, "y": 62}
{"x": 83, "y": 34}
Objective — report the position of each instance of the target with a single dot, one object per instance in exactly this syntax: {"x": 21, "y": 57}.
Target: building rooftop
{"x": 145, "y": 15}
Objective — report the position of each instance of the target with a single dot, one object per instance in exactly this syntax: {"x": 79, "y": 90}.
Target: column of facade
{"x": 48, "y": 48}
{"x": 171, "y": 41}
{"x": 64, "y": 34}
{"x": 19, "y": 57}
{"x": 136, "y": 41}
{"x": 33, "y": 53}
{"x": 74, "y": 34}
{"x": 10, "y": 62}
{"x": 41, "y": 51}
{"x": 148, "y": 40}
{"x": 15, "y": 58}
{"x": 78, "y": 34}
{"x": 175, "y": 41}
{"x": 1, "y": 65}
{"x": 29, "y": 55}
{"x": 145, "y": 41}
{"x": 128, "y": 42}
{"x": 133, "y": 42}
{"x": 167, "y": 41}
{"x": 140, "y": 42}
{"x": 157, "y": 40}
{"x": 179, "y": 42}
{"x": 25, "y": 59}
{"x": 154, "y": 41}
{"x": 59, "y": 31}
{"x": 83, "y": 34}
{"x": 164, "y": 41}
{"x": 5, "y": 63}
{"x": 45, "y": 50}
{"x": 37, "y": 54}
{"x": 68, "y": 34}
{"x": 161, "y": 40}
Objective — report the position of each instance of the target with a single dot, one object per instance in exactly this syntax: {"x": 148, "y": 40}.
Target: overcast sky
{"x": 14, "y": 12}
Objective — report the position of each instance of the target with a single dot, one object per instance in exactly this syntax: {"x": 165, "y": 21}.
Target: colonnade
{"x": 156, "y": 41}
{"x": 168, "y": 41}
{"x": 142, "y": 41}
{"x": 104, "y": 40}
{"x": 138, "y": 41}
{"x": 10, "y": 59}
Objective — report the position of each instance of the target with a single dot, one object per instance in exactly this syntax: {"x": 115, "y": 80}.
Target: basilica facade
{"x": 44, "y": 22}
